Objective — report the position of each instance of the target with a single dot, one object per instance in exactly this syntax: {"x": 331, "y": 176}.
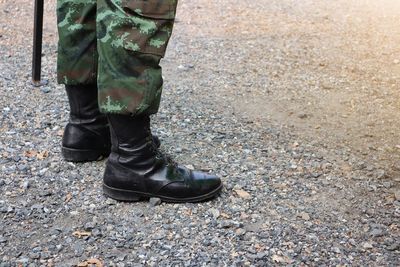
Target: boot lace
{"x": 158, "y": 154}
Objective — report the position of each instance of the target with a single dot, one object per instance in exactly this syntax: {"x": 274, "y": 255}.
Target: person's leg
{"x": 77, "y": 46}
{"x": 132, "y": 38}
{"x": 86, "y": 136}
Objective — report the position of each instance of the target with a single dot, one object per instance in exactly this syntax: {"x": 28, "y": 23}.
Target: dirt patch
{"x": 329, "y": 71}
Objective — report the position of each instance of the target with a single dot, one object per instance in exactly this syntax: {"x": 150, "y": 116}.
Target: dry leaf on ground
{"x": 242, "y": 194}
{"x": 30, "y": 153}
{"x": 80, "y": 234}
{"x": 43, "y": 154}
{"x": 90, "y": 262}
{"x": 281, "y": 259}
{"x": 68, "y": 197}
{"x": 304, "y": 215}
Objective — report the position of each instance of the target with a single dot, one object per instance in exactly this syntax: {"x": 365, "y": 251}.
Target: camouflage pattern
{"x": 131, "y": 37}
{"x": 77, "y": 52}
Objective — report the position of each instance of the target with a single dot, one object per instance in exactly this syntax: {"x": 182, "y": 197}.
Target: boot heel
{"x": 120, "y": 194}
{"x": 82, "y": 155}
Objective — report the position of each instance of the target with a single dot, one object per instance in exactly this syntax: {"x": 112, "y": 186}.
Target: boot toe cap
{"x": 205, "y": 181}
{"x": 197, "y": 187}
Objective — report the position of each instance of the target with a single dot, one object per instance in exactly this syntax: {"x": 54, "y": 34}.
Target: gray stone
{"x": 34, "y": 255}
{"x": 89, "y": 226}
{"x": 45, "y": 90}
{"x": 154, "y": 201}
{"x": 214, "y": 212}
{"x": 377, "y": 232}
{"x": 111, "y": 202}
{"x": 25, "y": 185}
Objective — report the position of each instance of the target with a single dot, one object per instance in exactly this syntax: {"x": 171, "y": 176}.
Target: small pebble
{"x": 45, "y": 90}
{"x": 154, "y": 201}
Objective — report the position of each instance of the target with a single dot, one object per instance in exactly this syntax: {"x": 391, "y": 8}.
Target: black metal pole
{"x": 37, "y": 43}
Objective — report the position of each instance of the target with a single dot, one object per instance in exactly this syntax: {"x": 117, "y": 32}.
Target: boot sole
{"x": 133, "y": 196}
{"x": 83, "y": 155}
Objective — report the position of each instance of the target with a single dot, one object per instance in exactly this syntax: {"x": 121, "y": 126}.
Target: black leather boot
{"x": 87, "y": 135}
{"x": 137, "y": 170}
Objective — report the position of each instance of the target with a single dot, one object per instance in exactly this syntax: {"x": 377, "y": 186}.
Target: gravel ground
{"x": 292, "y": 196}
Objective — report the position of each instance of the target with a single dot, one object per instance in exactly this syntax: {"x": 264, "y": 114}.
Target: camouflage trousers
{"x": 118, "y": 45}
